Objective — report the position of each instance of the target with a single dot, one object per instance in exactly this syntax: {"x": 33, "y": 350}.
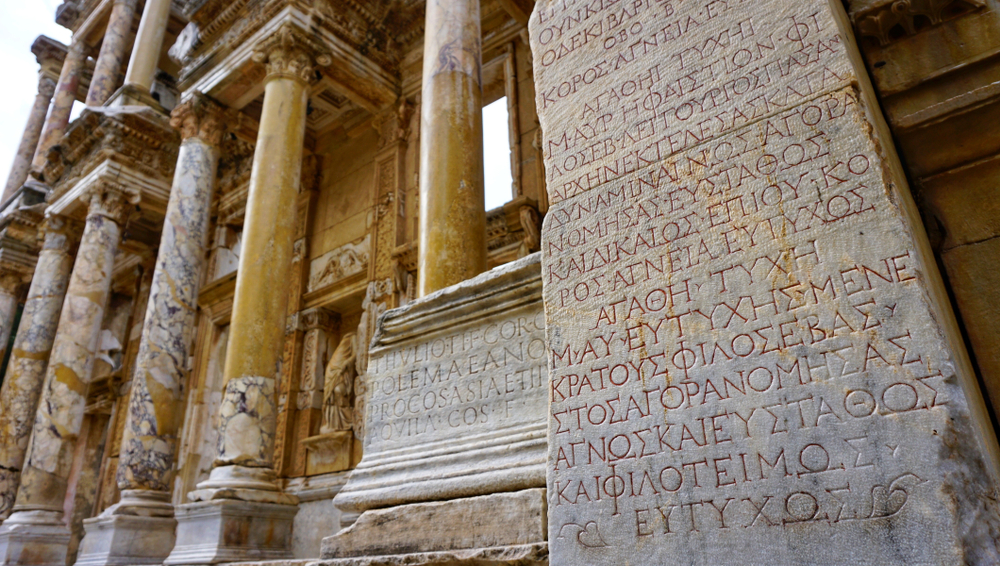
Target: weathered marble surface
{"x": 456, "y": 394}
{"x": 60, "y": 410}
{"x": 519, "y": 555}
{"x": 452, "y": 210}
{"x": 496, "y": 520}
{"x": 230, "y": 530}
{"x": 29, "y": 358}
{"x": 10, "y": 291}
{"x": 29, "y": 139}
{"x": 753, "y": 358}
{"x": 153, "y": 423}
{"x": 113, "y": 51}
{"x": 148, "y": 43}
{"x": 62, "y": 101}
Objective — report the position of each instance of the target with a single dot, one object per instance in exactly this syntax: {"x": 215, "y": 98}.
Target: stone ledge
{"x": 536, "y": 554}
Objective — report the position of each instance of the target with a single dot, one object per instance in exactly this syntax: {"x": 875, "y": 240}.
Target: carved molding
{"x": 878, "y": 21}
{"x": 339, "y": 264}
{"x": 112, "y": 201}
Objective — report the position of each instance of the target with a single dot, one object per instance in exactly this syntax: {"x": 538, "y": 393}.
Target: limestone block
{"x": 487, "y": 521}
{"x": 753, "y": 358}
{"x": 124, "y": 540}
{"x": 456, "y": 393}
{"x": 230, "y": 530}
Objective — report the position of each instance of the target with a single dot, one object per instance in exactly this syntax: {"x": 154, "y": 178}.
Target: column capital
{"x": 61, "y": 233}
{"x": 317, "y": 318}
{"x": 46, "y": 86}
{"x": 291, "y": 53}
{"x": 198, "y": 116}
{"x": 112, "y": 201}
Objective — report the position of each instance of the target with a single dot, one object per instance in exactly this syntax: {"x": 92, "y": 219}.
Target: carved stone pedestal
{"x": 34, "y": 538}
{"x": 329, "y": 452}
{"x": 138, "y": 530}
{"x": 230, "y": 530}
{"x": 502, "y": 528}
{"x": 123, "y": 540}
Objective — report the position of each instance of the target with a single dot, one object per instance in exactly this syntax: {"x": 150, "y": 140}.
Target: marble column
{"x": 154, "y": 416}
{"x": 36, "y": 530}
{"x": 29, "y": 139}
{"x": 148, "y": 44}
{"x": 113, "y": 51}
{"x": 452, "y": 202}
{"x": 62, "y": 102}
{"x": 242, "y": 481}
{"x": 10, "y": 293}
{"x": 23, "y": 382}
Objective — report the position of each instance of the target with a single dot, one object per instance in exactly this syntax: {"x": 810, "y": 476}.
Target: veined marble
{"x": 153, "y": 424}
{"x": 60, "y": 412}
{"x": 113, "y": 52}
{"x": 29, "y": 358}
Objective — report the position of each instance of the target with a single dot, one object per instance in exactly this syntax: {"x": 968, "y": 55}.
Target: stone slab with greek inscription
{"x": 752, "y": 356}
{"x": 456, "y": 394}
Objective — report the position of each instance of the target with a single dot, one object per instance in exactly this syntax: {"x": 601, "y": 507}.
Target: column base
{"x": 230, "y": 530}
{"x": 128, "y": 95}
{"x": 34, "y": 538}
{"x": 140, "y": 529}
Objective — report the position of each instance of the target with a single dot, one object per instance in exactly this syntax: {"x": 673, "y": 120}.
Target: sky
{"x": 21, "y": 21}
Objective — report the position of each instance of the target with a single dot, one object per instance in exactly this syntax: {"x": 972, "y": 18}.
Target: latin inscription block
{"x": 752, "y": 357}
{"x": 456, "y": 398}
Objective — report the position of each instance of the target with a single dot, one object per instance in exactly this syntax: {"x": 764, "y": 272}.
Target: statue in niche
{"x": 338, "y": 388}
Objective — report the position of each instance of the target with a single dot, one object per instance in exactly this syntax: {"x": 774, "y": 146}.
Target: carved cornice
{"x": 49, "y": 52}
{"x": 142, "y": 140}
{"x": 291, "y": 53}
{"x": 198, "y": 116}
{"x": 888, "y": 20}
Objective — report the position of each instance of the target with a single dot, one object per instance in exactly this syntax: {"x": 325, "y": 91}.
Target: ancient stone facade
{"x": 252, "y": 307}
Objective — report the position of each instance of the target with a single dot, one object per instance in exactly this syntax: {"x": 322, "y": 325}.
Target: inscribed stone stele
{"x": 753, "y": 360}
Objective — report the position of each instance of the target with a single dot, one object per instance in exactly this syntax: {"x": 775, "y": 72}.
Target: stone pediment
{"x": 132, "y": 145}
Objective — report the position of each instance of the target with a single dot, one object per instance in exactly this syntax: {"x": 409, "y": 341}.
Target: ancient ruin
{"x": 737, "y": 307}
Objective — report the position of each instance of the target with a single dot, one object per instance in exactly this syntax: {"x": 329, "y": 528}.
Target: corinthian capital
{"x": 291, "y": 53}
{"x": 112, "y": 201}
{"x": 198, "y": 116}
{"x": 46, "y": 86}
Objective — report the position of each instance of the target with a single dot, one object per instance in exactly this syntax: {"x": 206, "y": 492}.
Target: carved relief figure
{"x": 338, "y": 388}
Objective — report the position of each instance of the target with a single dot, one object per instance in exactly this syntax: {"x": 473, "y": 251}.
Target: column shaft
{"x": 113, "y": 48}
{"x": 153, "y": 422}
{"x": 62, "y": 103}
{"x": 29, "y": 139}
{"x": 10, "y": 286}
{"x": 248, "y": 417}
{"x": 60, "y": 410}
{"x": 148, "y": 44}
{"x": 452, "y": 202}
{"x": 23, "y": 383}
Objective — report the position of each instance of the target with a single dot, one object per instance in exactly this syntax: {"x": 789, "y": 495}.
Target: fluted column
{"x": 29, "y": 139}
{"x": 153, "y": 422}
{"x": 62, "y": 102}
{"x": 452, "y": 202}
{"x": 38, "y": 507}
{"x": 23, "y": 382}
{"x": 113, "y": 50}
{"x": 148, "y": 44}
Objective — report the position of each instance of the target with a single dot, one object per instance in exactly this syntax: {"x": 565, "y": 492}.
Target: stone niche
{"x": 753, "y": 358}
{"x": 455, "y": 427}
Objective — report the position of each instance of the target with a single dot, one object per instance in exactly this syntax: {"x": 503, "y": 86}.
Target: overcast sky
{"x": 21, "y": 21}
